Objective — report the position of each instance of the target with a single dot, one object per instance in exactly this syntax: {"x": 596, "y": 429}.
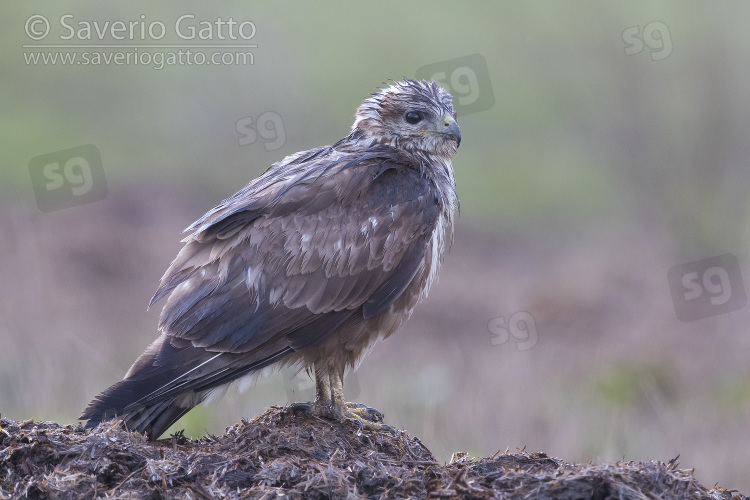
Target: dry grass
{"x": 283, "y": 454}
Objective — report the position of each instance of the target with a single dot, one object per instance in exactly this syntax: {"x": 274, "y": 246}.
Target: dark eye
{"x": 413, "y": 117}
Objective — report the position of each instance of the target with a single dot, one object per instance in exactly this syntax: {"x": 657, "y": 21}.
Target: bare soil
{"x": 282, "y": 454}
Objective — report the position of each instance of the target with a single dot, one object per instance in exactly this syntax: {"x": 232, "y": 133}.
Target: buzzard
{"x": 310, "y": 264}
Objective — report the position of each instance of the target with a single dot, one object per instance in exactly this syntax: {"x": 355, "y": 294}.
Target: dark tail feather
{"x": 168, "y": 380}
{"x": 155, "y": 392}
{"x": 117, "y": 402}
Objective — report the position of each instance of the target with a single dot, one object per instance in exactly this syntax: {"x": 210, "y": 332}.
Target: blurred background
{"x": 593, "y": 304}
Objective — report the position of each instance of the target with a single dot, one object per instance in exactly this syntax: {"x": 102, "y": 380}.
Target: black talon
{"x": 297, "y": 408}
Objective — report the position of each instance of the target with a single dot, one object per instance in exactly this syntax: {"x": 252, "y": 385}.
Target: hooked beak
{"x": 451, "y": 129}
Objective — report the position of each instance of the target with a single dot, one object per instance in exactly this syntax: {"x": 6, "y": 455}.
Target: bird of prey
{"x": 308, "y": 265}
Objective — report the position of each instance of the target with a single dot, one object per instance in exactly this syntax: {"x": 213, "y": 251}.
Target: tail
{"x": 167, "y": 381}
{"x": 149, "y": 399}
{"x": 121, "y": 401}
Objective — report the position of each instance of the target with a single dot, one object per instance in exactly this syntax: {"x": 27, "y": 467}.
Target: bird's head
{"x": 411, "y": 115}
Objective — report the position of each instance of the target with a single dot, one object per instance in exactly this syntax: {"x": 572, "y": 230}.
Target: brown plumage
{"x": 311, "y": 263}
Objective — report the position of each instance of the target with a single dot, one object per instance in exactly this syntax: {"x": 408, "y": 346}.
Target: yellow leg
{"x": 330, "y": 403}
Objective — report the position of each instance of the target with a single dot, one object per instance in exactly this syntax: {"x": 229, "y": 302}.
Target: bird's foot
{"x": 365, "y": 417}
{"x": 364, "y": 412}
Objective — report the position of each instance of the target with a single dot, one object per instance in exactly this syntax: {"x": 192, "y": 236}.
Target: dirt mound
{"x": 296, "y": 456}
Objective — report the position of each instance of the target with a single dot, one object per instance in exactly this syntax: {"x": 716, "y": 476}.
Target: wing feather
{"x": 305, "y": 246}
